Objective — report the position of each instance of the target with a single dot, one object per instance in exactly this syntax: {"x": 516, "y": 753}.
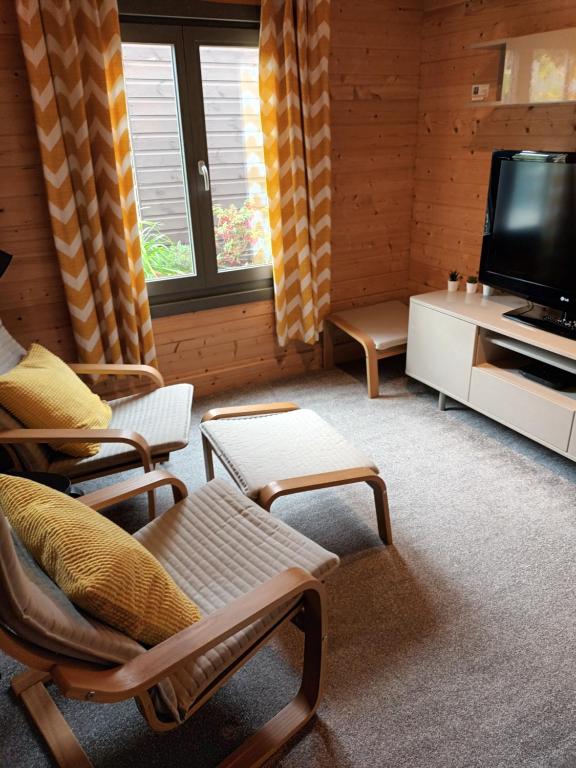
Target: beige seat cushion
{"x": 218, "y": 545}
{"x": 162, "y": 417}
{"x": 259, "y": 449}
{"x": 385, "y": 323}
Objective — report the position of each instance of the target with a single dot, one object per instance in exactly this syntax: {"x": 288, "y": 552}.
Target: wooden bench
{"x": 382, "y": 329}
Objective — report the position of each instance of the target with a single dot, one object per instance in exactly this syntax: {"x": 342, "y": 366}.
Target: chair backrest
{"x": 34, "y": 609}
{"x": 32, "y": 456}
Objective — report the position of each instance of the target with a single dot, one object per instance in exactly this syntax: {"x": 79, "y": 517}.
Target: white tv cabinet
{"x": 461, "y": 345}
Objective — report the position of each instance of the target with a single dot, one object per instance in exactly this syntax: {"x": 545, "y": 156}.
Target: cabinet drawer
{"x": 533, "y": 409}
{"x": 440, "y": 350}
{"x": 572, "y": 443}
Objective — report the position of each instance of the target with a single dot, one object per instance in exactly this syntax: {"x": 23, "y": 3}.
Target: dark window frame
{"x": 167, "y": 23}
{"x": 189, "y": 12}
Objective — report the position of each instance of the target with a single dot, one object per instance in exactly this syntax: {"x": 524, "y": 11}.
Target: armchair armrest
{"x": 25, "y": 435}
{"x": 109, "y": 369}
{"x": 144, "y": 671}
{"x": 112, "y": 494}
{"x": 248, "y": 410}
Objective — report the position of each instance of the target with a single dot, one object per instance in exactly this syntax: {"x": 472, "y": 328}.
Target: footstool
{"x": 275, "y": 449}
{"x": 382, "y": 329}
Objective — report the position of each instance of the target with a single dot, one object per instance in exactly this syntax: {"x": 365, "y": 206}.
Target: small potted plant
{"x": 471, "y": 284}
{"x": 453, "y": 280}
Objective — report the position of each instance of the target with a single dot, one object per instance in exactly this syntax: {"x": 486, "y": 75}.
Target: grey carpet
{"x": 453, "y": 649}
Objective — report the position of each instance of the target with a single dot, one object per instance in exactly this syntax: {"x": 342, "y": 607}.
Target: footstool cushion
{"x": 385, "y": 323}
{"x": 277, "y": 449}
{"x": 257, "y": 450}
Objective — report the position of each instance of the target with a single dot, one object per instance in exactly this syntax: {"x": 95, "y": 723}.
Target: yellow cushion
{"x": 43, "y": 392}
{"x": 99, "y": 566}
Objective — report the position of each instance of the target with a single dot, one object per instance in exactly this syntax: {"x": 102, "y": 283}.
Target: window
{"x": 194, "y": 119}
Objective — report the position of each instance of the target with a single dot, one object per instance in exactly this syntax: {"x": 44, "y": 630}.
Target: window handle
{"x": 203, "y": 171}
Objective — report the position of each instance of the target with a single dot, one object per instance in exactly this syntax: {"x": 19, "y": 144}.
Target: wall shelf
{"x": 535, "y": 70}
{"x": 484, "y": 104}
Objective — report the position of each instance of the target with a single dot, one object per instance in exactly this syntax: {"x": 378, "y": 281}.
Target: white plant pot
{"x": 452, "y": 286}
{"x": 471, "y": 287}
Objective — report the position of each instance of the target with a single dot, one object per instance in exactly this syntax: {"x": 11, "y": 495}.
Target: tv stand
{"x": 470, "y": 349}
{"x": 547, "y": 319}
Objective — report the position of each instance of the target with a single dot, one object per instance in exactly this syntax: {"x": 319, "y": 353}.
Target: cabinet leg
{"x": 441, "y": 401}
{"x": 328, "y": 345}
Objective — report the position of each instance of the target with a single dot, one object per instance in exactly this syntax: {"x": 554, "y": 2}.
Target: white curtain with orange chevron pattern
{"x": 74, "y": 62}
{"x": 295, "y": 109}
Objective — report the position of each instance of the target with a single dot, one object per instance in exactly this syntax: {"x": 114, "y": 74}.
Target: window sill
{"x": 164, "y": 307}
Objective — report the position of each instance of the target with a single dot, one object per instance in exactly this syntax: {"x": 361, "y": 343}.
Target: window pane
{"x": 158, "y": 160}
{"x": 236, "y": 156}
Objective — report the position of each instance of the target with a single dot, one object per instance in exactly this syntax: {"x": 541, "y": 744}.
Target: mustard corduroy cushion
{"x": 43, "y": 392}
{"x": 99, "y": 566}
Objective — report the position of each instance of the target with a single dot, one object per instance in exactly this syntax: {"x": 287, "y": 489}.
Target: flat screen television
{"x": 529, "y": 245}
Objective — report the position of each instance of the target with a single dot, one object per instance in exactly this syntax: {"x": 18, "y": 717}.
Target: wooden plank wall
{"x": 455, "y": 140}
{"x": 374, "y": 84}
{"x": 374, "y": 89}
{"x": 376, "y": 118}
{"x": 32, "y": 301}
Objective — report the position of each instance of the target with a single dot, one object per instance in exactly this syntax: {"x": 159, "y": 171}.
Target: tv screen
{"x": 530, "y": 238}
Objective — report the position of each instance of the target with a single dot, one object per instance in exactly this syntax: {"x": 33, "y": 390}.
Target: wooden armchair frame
{"x": 119, "y": 369}
{"x": 284, "y": 487}
{"x": 26, "y": 435}
{"x": 17, "y": 436}
{"x": 134, "y": 679}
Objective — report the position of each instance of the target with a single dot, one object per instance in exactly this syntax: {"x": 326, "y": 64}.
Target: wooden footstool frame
{"x": 372, "y": 354}
{"x": 284, "y": 487}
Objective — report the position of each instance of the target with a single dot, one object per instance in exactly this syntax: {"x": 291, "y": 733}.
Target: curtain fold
{"x": 74, "y": 62}
{"x": 295, "y": 109}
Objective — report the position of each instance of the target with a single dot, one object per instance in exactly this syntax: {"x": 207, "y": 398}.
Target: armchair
{"x": 265, "y": 575}
{"x": 144, "y": 430}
